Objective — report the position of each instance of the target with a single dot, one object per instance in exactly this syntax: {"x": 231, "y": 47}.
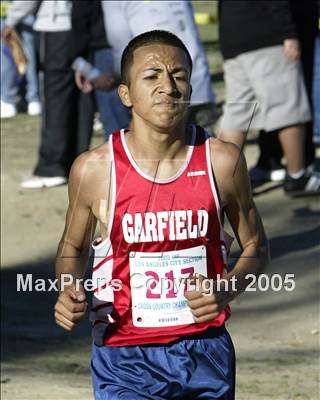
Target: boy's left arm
{"x": 234, "y": 186}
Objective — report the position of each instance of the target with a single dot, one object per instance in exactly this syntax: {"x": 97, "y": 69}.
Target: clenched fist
{"x": 70, "y": 307}
{"x": 205, "y": 302}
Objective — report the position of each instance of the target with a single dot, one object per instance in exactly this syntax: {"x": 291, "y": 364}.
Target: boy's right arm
{"x": 73, "y": 249}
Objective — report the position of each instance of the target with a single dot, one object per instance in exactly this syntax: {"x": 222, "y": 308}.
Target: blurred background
{"x": 276, "y": 334}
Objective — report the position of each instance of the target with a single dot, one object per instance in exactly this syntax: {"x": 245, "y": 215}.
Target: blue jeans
{"x": 113, "y": 114}
{"x": 9, "y": 76}
{"x": 316, "y": 93}
{"x": 10, "y": 79}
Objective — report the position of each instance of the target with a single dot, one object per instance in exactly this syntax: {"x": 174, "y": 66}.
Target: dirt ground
{"x": 276, "y": 334}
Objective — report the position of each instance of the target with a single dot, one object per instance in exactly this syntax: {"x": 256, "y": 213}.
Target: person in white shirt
{"x": 68, "y": 113}
{"x": 126, "y": 19}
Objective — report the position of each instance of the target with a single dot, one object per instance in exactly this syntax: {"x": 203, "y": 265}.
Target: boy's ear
{"x": 124, "y": 94}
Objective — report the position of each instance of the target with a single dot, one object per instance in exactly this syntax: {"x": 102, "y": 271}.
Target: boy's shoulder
{"x": 229, "y": 167}
{"x": 92, "y": 166}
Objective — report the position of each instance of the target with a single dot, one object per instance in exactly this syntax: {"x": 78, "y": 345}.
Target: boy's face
{"x": 159, "y": 90}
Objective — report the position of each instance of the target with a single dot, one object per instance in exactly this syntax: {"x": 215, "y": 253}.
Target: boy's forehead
{"x": 161, "y": 53}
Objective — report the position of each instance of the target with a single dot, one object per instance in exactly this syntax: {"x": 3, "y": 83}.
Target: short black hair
{"x": 145, "y": 39}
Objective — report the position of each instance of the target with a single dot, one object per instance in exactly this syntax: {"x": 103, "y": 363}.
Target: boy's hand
{"x": 205, "y": 302}
{"x": 70, "y": 307}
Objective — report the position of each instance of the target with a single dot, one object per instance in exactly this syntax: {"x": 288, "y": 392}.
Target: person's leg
{"x": 29, "y": 40}
{"x": 119, "y": 116}
{"x": 9, "y": 81}
{"x": 270, "y": 150}
{"x": 269, "y": 146}
{"x": 113, "y": 114}
{"x": 316, "y": 93}
{"x": 268, "y": 167}
{"x": 283, "y": 97}
{"x": 81, "y": 141}
{"x": 307, "y": 62}
{"x": 9, "y": 84}
{"x": 292, "y": 140}
{"x": 195, "y": 367}
{"x": 127, "y": 373}
{"x": 60, "y": 142}
{"x": 212, "y": 375}
{"x": 60, "y": 106}
{"x": 241, "y": 110}
{"x": 299, "y": 181}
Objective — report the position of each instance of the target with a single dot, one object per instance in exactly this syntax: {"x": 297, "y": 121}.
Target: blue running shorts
{"x": 196, "y": 367}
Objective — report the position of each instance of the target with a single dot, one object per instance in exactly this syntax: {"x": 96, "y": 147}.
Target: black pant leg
{"x": 307, "y": 60}
{"x": 59, "y": 99}
{"x": 270, "y": 150}
{"x": 66, "y": 128}
{"x": 80, "y": 142}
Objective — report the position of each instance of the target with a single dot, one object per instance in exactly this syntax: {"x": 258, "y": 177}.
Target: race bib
{"x": 157, "y": 285}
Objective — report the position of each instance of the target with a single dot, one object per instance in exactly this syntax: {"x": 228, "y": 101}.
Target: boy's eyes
{"x": 176, "y": 77}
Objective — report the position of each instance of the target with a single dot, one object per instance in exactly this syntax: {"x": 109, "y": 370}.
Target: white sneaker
{"x": 8, "y": 110}
{"x": 277, "y": 175}
{"x": 34, "y": 108}
{"x": 38, "y": 182}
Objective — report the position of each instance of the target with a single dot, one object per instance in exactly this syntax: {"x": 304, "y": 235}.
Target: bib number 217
{"x": 167, "y": 285}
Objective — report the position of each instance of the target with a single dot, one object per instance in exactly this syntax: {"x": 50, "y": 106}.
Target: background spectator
{"x": 90, "y": 42}
{"x": 68, "y": 113}
{"x": 305, "y": 19}
{"x": 10, "y": 80}
{"x": 133, "y": 18}
{"x": 264, "y": 84}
